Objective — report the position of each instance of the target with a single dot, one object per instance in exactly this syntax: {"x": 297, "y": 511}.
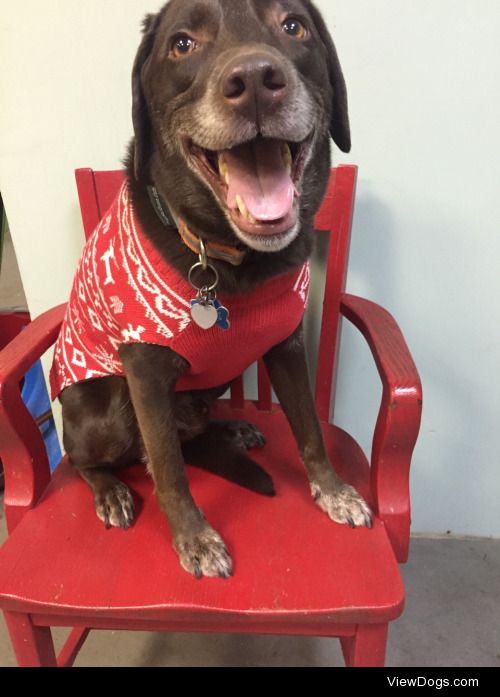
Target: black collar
{"x": 161, "y": 209}
{"x": 231, "y": 254}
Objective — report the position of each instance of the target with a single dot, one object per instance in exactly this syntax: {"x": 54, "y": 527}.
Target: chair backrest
{"x": 96, "y": 191}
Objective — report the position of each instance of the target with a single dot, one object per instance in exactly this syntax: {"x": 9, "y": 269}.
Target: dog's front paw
{"x": 343, "y": 504}
{"x": 115, "y": 506}
{"x": 204, "y": 554}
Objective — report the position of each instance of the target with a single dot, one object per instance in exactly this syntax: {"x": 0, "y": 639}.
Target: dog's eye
{"x": 182, "y": 45}
{"x": 294, "y": 28}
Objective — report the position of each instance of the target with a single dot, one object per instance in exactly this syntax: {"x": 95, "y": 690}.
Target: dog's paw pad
{"x": 343, "y": 505}
{"x": 115, "y": 507}
{"x": 245, "y": 435}
{"x": 204, "y": 554}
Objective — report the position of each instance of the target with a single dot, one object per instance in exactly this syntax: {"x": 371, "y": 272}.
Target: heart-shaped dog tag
{"x": 204, "y": 315}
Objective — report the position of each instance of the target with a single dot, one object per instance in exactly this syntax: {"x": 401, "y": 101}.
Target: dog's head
{"x": 233, "y": 104}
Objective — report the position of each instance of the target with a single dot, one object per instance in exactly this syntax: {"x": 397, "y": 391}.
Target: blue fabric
{"x": 36, "y": 398}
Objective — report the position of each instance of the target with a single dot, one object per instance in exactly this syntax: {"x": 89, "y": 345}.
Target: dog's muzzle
{"x": 254, "y": 84}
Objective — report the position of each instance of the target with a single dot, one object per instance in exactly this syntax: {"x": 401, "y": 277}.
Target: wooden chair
{"x": 295, "y": 571}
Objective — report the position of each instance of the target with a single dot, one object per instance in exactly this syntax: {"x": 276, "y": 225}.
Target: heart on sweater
{"x": 205, "y": 316}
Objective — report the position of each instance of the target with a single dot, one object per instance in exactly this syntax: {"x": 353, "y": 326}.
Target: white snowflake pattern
{"x": 107, "y": 360}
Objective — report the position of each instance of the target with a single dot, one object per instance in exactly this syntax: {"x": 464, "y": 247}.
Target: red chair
{"x": 295, "y": 571}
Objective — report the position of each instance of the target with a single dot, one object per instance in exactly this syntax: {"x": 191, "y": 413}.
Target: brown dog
{"x": 234, "y": 102}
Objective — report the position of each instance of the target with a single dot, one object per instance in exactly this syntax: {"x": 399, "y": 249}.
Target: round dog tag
{"x": 204, "y": 315}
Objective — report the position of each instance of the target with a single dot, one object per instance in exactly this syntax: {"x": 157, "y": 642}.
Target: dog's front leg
{"x": 287, "y": 368}
{"x": 152, "y": 372}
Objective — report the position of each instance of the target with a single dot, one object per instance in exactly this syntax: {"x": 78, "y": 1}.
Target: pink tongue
{"x": 258, "y": 174}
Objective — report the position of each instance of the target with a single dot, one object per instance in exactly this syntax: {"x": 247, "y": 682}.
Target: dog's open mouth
{"x": 257, "y": 183}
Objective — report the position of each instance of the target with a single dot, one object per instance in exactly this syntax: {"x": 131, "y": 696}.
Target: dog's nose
{"x": 254, "y": 84}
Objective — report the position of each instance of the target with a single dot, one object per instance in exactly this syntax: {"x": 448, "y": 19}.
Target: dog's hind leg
{"x": 101, "y": 435}
{"x": 240, "y": 434}
{"x": 113, "y": 500}
{"x": 221, "y": 450}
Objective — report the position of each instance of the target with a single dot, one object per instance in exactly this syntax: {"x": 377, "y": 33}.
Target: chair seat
{"x": 291, "y": 563}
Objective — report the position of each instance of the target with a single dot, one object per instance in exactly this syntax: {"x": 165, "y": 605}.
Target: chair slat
{"x": 237, "y": 398}
{"x": 335, "y": 216}
{"x": 87, "y": 195}
{"x": 107, "y": 184}
{"x": 264, "y": 401}
{"x": 96, "y": 192}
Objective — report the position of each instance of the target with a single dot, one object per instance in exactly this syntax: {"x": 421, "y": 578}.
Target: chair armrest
{"x": 398, "y": 419}
{"x": 22, "y": 449}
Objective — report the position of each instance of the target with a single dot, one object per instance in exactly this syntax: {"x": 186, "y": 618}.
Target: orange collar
{"x": 215, "y": 250}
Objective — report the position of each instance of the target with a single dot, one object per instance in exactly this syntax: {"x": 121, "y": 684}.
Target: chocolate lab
{"x": 200, "y": 266}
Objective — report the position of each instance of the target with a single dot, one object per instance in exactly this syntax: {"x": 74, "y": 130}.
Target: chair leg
{"x": 367, "y": 647}
{"x": 32, "y": 645}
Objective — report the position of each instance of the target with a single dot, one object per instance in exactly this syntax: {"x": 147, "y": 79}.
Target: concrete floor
{"x": 452, "y": 618}
{"x": 452, "y": 615}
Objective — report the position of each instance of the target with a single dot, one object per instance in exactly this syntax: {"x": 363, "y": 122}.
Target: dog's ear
{"x": 140, "y": 114}
{"x": 339, "y": 126}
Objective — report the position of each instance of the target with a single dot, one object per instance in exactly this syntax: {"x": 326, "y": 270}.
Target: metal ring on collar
{"x": 209, "y": 267}
{"x": 202, "y": 256}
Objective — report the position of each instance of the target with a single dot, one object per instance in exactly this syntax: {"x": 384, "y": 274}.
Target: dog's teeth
{"x": 223, "y": 169}
{"x": 241, "y": 205}
{"x": 244, "y": 210}
{"x": 286, "y": 153}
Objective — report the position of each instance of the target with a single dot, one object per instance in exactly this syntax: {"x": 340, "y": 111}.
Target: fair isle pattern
{"x": 112, "y": 260}
{"x": 160, "y": 302}
{"x": 125, "y": 292}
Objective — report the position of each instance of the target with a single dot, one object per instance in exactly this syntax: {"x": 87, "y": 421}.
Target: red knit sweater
{"x": 125, "y": 292}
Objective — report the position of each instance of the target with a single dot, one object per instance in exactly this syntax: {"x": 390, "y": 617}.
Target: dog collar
{"x": 214, "y": 250}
